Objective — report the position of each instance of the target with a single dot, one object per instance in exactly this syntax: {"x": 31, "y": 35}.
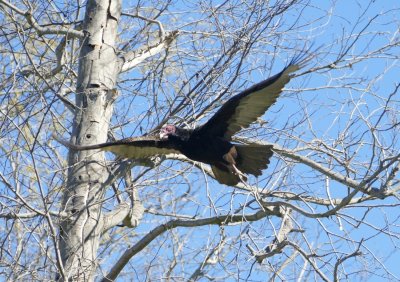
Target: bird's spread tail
{"x": 253, "y": 158}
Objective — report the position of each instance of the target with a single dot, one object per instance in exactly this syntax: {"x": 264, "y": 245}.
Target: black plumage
{"x": 211, "y": 142}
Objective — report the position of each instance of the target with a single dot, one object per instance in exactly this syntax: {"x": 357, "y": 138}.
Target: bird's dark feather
{"x": 246, "y": 107}
{"x": 134, "y": 147}
{"x": 225, "y": 176}
{"x": 210, "y": 143}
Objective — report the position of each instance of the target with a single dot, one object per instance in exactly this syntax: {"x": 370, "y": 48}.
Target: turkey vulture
{"x": 211, "y": 142}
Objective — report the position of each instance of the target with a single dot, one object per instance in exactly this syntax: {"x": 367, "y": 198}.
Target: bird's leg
{"x": 230, "y": 158}
{"x": 241, "y": 175}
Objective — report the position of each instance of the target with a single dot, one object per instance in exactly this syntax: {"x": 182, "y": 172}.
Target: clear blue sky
{"x": 332, "y": 108}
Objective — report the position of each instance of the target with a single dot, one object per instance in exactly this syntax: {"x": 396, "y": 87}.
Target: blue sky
{"x": 327, "y": 104}
{"x": 337, "y": 105}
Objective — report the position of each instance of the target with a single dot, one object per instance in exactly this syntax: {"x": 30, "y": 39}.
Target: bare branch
{"x": 344, "y": 258}
{"x": 309, "y": 260}
{"x": 279, "y": 242}
{"x": 116, "y": 216}
{"x": 71, "y": 33}
{"x": 161, "y": 33}
{"x": 218, "y": 220}
{"x": 132, "y": 59}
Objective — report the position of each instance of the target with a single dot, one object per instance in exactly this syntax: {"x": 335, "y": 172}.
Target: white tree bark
{"x": 326, "y": 206}
{"x": 98, "y": 70}
{"x": 88, "y": 176}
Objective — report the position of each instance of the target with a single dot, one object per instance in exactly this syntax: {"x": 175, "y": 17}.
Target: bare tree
{"x": 325, "y": 209}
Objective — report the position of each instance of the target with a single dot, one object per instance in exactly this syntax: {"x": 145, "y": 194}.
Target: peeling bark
{"x": 87, "y": 176}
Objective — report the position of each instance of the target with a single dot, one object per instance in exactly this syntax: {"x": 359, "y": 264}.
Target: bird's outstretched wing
{"x": 132, "y": 148}
{"x": 243, "y": 109}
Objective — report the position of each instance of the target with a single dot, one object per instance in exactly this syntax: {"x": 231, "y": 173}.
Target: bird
{"x": 211, "y": 143}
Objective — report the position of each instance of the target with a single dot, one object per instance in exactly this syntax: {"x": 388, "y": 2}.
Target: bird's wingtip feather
{"x": 303, "y": 56}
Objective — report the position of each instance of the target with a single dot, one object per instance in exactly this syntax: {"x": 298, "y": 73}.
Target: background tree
{"x": 325, "y": 209}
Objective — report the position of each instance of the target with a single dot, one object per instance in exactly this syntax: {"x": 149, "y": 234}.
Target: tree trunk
{"x": 98, "y": 69}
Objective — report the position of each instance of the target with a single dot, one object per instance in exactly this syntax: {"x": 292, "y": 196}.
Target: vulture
{"x": 211, "y": 143}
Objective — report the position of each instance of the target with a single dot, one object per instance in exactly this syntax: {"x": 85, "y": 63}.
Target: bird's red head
{"x": 167, "y": 130}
